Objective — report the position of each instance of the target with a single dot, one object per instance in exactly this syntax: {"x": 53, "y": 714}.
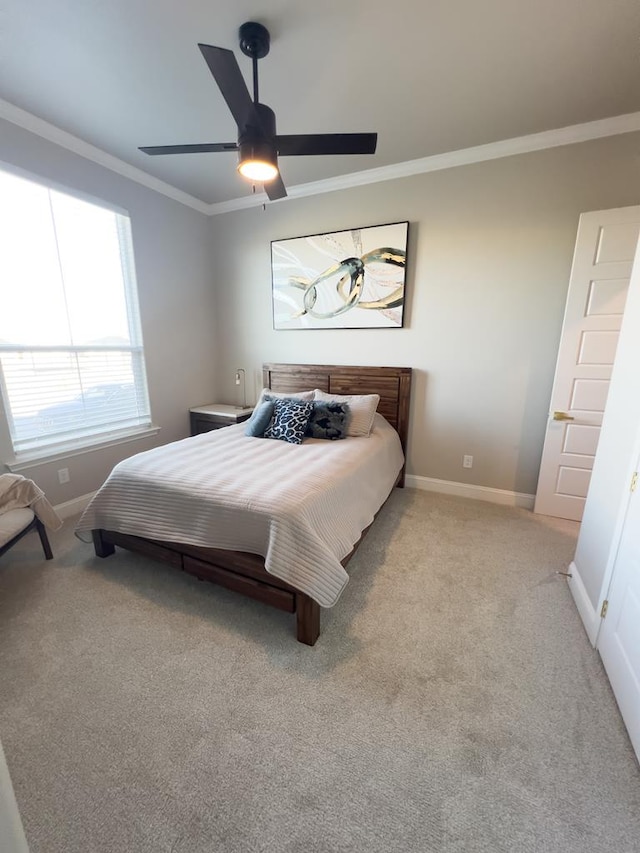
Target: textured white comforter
{"x": 302, "y": 507}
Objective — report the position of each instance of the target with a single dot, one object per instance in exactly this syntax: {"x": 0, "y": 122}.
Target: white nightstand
{"x": 216, "y": 415}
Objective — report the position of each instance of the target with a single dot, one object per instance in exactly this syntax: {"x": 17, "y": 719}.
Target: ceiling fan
{"x": 258, "y": 145}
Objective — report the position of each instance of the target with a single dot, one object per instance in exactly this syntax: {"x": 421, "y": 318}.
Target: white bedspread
{"x": 302, "y": 507}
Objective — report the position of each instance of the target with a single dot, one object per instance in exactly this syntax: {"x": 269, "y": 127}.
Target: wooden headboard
{"x": 393, "y": 384}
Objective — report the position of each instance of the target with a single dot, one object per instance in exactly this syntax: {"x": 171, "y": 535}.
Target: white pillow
{"x": 362, "y": 407}
{"x": 267, "y": 393}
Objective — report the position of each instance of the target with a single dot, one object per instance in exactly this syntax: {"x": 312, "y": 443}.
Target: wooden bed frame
{"x": 244, "y": 572}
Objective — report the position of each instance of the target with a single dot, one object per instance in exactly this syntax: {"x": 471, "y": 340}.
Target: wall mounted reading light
{"x": 240, "y": 373}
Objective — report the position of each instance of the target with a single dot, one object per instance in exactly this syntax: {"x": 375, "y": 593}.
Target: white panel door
{"x": 602, "y": 262}
{"x": 619, "y": 637}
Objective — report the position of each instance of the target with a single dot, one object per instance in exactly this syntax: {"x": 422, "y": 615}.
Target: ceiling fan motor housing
{"x": 258, "y": 142}
{"x": 267, "y": 124}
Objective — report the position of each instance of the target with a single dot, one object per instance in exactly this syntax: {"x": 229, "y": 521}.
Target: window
{"x": 71, "y": 359}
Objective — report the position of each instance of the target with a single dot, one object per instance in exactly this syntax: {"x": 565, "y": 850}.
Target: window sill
{"x": 33, "y": 458}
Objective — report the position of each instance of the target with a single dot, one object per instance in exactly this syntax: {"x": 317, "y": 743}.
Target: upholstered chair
{"x": 23, "y": 508}
{"x": 16, "y": 523}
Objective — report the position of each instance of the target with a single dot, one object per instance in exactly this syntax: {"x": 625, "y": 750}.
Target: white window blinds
{"x": 71, "y": 357}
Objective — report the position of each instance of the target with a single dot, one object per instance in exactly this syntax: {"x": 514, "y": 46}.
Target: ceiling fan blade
{"x": 327, "y": 143}
{"x": 226, "y": 72}
{"x": 275, "y": 189}
{"x": 204, "y": 148}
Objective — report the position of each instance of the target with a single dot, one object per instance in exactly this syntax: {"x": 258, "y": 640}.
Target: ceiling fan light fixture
{"x": 257, "y": 161}
{"x": 257, "y": 170}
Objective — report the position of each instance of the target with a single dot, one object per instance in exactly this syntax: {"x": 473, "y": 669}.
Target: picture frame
{"x": 349, "y": 279}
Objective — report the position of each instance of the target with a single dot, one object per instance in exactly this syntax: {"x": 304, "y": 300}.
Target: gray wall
{"x": 173, "y": 262}
{"x": 490, "y": 249}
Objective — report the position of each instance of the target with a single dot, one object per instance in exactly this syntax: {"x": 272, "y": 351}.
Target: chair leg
{"x": 44, "y": 539}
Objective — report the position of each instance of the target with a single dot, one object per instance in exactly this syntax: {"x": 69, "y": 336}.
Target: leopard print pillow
{"x": 289, "y": 421}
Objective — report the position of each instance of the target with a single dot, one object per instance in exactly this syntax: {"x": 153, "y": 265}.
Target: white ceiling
{"x": 429, "y": 77}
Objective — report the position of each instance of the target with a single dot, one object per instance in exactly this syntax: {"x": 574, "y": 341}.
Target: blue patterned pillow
{"x": 328, "y": 420}
{"x": 289, "y": 422}
{"x": 259, "y": 420}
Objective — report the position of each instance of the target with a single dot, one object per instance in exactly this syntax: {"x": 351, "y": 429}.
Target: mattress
{"x": 302, "y": 507}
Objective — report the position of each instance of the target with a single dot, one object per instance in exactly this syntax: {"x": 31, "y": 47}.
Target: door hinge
{"x": 634, "y": 482}
{"x": 605, "y": 607}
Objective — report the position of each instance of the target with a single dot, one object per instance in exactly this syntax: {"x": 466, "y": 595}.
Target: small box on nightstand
{"x": 215, "y": 416}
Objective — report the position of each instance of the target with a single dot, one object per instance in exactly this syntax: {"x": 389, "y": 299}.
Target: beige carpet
{"x": 452, "y": 702}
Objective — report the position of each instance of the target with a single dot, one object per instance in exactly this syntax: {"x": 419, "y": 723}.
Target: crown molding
{"x": 570, "y": 135}
{"x": 27, "y": 121}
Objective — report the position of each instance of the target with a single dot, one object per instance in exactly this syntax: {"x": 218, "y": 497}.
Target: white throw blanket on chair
{"x": 17, "y": 491}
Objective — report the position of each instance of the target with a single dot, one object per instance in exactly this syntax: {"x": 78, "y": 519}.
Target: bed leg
{"x": 307, "y": 619}
{"x": 401, "y": 476}
{"x": 101, "y": 546}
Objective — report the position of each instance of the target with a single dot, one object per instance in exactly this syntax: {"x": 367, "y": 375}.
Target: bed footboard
{"x": 234, "y": 570}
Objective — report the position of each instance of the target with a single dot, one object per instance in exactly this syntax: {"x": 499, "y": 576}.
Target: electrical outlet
{"x": 467, "y": 461}
{"x": 63, "y": 475}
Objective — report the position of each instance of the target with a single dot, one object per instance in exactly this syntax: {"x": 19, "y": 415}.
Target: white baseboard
{"x": 466, "y": 490}
{"x": 73, "y": 507}
{"x": 589, "y": 615}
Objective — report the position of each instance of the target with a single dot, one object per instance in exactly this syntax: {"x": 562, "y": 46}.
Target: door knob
{"x": 562, "y": 416}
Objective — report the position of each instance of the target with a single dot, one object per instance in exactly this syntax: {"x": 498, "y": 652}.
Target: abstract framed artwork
{"x": 352, "y": 279}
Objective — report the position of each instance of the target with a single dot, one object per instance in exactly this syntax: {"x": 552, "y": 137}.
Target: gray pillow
{"x": 328, "y": 420}
{"x": 362, "y": 406}
{"x": 260, "y": 419}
